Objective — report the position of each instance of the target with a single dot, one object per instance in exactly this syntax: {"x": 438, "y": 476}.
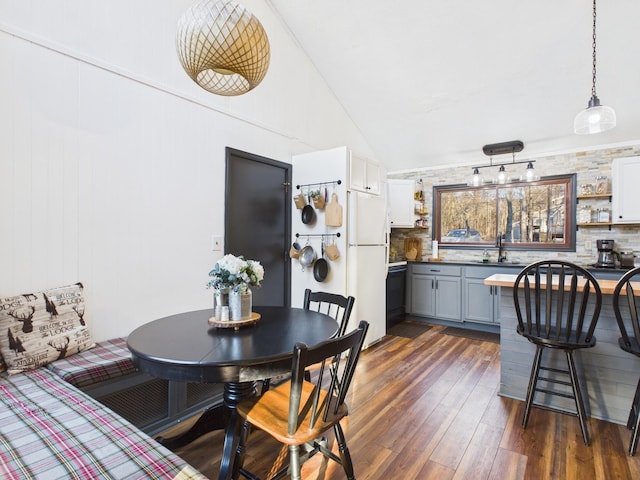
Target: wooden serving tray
{"x": 235, "y": 324}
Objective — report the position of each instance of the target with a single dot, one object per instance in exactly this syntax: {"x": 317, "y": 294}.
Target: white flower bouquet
{"x": 232, "y": 273}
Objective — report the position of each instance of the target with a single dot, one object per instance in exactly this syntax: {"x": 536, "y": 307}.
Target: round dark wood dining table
{"x": 185, "y": 348}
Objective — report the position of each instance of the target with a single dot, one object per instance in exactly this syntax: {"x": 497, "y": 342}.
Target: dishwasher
{"x": 396, "y": 285}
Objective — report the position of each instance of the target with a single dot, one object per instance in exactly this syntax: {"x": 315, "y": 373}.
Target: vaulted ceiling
{"x": 429, "y": 82}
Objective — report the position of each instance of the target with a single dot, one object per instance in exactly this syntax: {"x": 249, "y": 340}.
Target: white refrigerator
{"x": 362, "y": 240}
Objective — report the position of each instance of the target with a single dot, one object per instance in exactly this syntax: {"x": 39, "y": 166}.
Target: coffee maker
{"x": 605, "y": 254}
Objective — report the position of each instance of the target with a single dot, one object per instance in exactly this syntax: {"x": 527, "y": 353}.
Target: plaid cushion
{"x": 50, "y": 430}
{"x": 107, "y": 360}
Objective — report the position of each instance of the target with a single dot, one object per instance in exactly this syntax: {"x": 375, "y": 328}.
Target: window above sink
{"x": 537, "y": 215}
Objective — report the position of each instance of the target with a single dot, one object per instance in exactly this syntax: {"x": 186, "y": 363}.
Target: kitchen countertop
{"x": 470, "y": 262}
{"x": 397, "y": 264}
{"x": 504, "y": 280}
{"x": 591, "y": 268}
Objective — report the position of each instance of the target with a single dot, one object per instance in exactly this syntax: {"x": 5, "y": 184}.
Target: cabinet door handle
{"x": 432, "y": 286}
{"x": 436, "y": 284}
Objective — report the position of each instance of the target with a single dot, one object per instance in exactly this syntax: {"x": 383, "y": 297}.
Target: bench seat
{"x": 51, "y": 430}
{"x": 107, "y": 360}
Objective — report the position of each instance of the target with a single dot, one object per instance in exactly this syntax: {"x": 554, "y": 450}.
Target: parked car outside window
{"x": 462, "y": 235}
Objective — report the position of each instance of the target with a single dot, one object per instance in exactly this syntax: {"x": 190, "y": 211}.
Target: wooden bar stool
{"x": 629, "y": 311}
{"x": 554, "y": 311}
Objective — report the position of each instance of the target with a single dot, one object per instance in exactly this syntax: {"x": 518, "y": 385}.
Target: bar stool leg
{"x": 533, "y": 382}
{"x": 577, "y": 393}
{"x": 634, "y": 422}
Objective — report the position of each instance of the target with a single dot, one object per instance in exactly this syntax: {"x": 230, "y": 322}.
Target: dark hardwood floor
{"x": 427, "y": 408}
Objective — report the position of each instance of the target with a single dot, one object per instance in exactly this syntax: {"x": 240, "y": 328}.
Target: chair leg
{"x": 634, "y": 421}
{"x": 294, "y": 459}
{"x": 533, "y": 382}
{"x": 633, "y": 444}
{"x": 345, "y": 456}
{"x": 577, "y": 393}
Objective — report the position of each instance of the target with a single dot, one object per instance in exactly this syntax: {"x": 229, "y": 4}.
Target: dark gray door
{"x": 258, "y": 220}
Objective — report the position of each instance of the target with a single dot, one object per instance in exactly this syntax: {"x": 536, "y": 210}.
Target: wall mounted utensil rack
{"x": 298, "y": 235}
{"x": 319, "y": 184}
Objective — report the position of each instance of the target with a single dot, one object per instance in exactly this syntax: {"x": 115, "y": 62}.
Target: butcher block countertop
{"x": 504, "y": 280}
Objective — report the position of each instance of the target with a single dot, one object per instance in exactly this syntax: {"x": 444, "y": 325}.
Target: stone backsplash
{"x": 586, "y": 164}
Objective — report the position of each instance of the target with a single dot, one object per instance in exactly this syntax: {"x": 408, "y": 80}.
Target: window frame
{"x": 570, "y": 206}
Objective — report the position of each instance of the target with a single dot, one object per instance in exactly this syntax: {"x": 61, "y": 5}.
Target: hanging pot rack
{"x": 319, "y": 184}
{"x": 298, "y": 235}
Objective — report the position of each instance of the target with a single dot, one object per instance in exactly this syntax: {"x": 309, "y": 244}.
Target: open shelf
{"x": 595, "y": 196}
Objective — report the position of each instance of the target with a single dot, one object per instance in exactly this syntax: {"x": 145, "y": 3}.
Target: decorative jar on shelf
{"x": 584, "y": 214}
{"x": 602, "y": 185}
{"x": 240, "y": 304}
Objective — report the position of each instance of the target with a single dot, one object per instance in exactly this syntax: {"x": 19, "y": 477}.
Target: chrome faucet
{"x": 502, "y": 255}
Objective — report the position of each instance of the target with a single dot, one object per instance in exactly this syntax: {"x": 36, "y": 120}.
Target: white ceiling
{"x": 429, "y": 82}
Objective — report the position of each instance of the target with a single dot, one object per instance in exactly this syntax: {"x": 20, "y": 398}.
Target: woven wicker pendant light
{"x": 223, "y": 47}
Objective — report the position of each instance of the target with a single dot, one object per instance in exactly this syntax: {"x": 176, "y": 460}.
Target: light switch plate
{"x": 216, "y": 243}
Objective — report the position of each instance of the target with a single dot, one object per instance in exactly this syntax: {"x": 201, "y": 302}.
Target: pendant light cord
{"x": 596, "y": 118}
{"x": 593, "y": 87}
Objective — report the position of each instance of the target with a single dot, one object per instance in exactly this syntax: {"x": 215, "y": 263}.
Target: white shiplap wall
{"x": 112, "y": 160}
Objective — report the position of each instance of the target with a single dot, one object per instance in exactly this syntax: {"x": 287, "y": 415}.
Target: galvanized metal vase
{"x": 240, "y": 304}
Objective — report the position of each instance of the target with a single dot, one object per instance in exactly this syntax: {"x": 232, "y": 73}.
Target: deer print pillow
{"x": 38, "y": 328}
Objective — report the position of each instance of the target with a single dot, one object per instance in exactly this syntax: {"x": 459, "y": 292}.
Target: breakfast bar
{"x": 609, "y": 374}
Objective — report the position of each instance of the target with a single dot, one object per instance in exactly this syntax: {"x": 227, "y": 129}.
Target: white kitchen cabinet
{"x": 626, "y": 178}
{"x": 364, "y": 175}
{"x": 401, "y": 203}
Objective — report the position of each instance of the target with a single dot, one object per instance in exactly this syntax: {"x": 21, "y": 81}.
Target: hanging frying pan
{"x": 307, "y": 256}
{"x": 308, "y": 215}
{"x": 320, "y": 270}
{"x": 321, "y": 267}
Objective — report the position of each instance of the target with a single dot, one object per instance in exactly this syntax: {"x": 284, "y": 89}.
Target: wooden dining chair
{"x": 298, "y": 412}
{"x": 332, "y": 304}
{"x": 562, "y": 317}
{"x": 626, "y": 312}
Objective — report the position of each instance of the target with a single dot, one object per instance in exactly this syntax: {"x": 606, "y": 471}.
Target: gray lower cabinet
{"x": 480, "y": 302}
{"x": 455, "y": 292}
{"x": 436, "y": 291}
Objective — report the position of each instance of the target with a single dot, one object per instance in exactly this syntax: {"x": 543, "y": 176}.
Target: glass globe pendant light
{"x": 502, "y": 175}
{"x": 596, "y": 118}
{"x": 529, "y": 175}
{"x": 476, "y": 180}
